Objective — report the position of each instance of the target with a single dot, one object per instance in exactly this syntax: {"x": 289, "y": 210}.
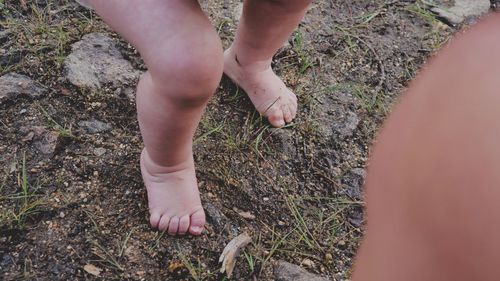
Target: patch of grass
{"x": 43, "y": 32}
{"x": 250, "y": 261}
{"x": 238, "y": 95}
{"x": 222, "y": 24}
{"x": 277, "y": 241}
{"x": 418, "y": 8}
{"x": 106, "y": 257}
{"x": 63, "y": 131}
{"x": 304, "y": 60}
{"x": 111, "y": 257}
{"x": 370, "y": 102}
{"x": 157, "y": 241}
{"x": 196, "y": 270}
{"x": 209, "y": 127}
{"x": 302, "y": 229}
{"x": 25, "y": 202}
{"x": 312, "y": 232}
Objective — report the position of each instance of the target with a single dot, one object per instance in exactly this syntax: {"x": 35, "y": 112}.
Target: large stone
{"x": 13, "y": 85}
{"x": 95, "y": 61}
{"x": 285, "y": 271}
{"x": 462, "y": 10}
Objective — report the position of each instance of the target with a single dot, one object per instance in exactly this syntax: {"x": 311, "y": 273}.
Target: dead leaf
{"x": 231, "y": 252}
{"x": 174, "y": 266}
{"x": 92, "y": 269}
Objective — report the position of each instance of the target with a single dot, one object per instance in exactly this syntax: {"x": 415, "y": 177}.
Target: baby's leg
{"x": 185, "y": 60}
{"x": 433, "y": 185}
{"x": 264, "y": 26}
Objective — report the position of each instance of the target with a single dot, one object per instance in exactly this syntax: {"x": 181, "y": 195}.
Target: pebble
{"x": 328, "y": 257}
{"x": 308, "y": 263}
{"x": 99, "y": 151}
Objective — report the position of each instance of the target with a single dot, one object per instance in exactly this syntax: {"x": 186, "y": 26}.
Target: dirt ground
{"x": 71, "y": 195}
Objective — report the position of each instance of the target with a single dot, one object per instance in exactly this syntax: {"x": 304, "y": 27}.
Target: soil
{"x": 77, "y": 210}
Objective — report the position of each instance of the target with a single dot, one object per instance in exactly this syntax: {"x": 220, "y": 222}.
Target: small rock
{"x": 13, "y": 84}
{"x": 284, "y": 271}
{"x": 307, "y": 263}
{"x": 355, "y": 216}
{"x": 353, "y": 183}
{"x": 4, "y": 34}
{"x": 347, "y": 124}
{"x": 284, "y": 140}
{"x": 48, "y": 143}
{"x": 94, "y": 126}
{"x": 84, "y": 3}
{"x": 462, "y": 10}
{"x": 44, "y": 140}
{"x": 495, "y": 4}
{"x": 99, "y": 151}
{"x": 328, "y": 258}
{"x": 6, "y": 261}
{"x": 96, "y": 61}
{"x": 215, "y": 216}
{"x": 129, "y": 93}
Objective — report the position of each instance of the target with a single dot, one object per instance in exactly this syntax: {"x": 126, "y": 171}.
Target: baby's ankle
{"x": 154, "y": 167}
{"x": 246, "y": 64}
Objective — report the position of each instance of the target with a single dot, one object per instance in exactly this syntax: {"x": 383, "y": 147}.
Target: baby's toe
{"x": 197, "y": 222}
{"x": 275, "y": 116}
{"x": 293, "y": 110}
{"x": 154, "y": 219}
{"x": 163, "y": 224}
{"x": 287, "y": 114}
{"x": 183, "y": 225}
{"x": 173, "y": 226}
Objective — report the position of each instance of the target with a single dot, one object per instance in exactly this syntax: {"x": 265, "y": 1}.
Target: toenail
{"x": 196, "y": 229}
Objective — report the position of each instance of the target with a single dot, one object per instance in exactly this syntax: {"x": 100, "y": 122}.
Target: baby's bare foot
{"x": 173, "y": 197}
{"x": 267, "y": 92}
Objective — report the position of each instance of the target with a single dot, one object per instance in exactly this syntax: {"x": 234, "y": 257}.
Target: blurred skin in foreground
{"x": 433, "y": 185}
